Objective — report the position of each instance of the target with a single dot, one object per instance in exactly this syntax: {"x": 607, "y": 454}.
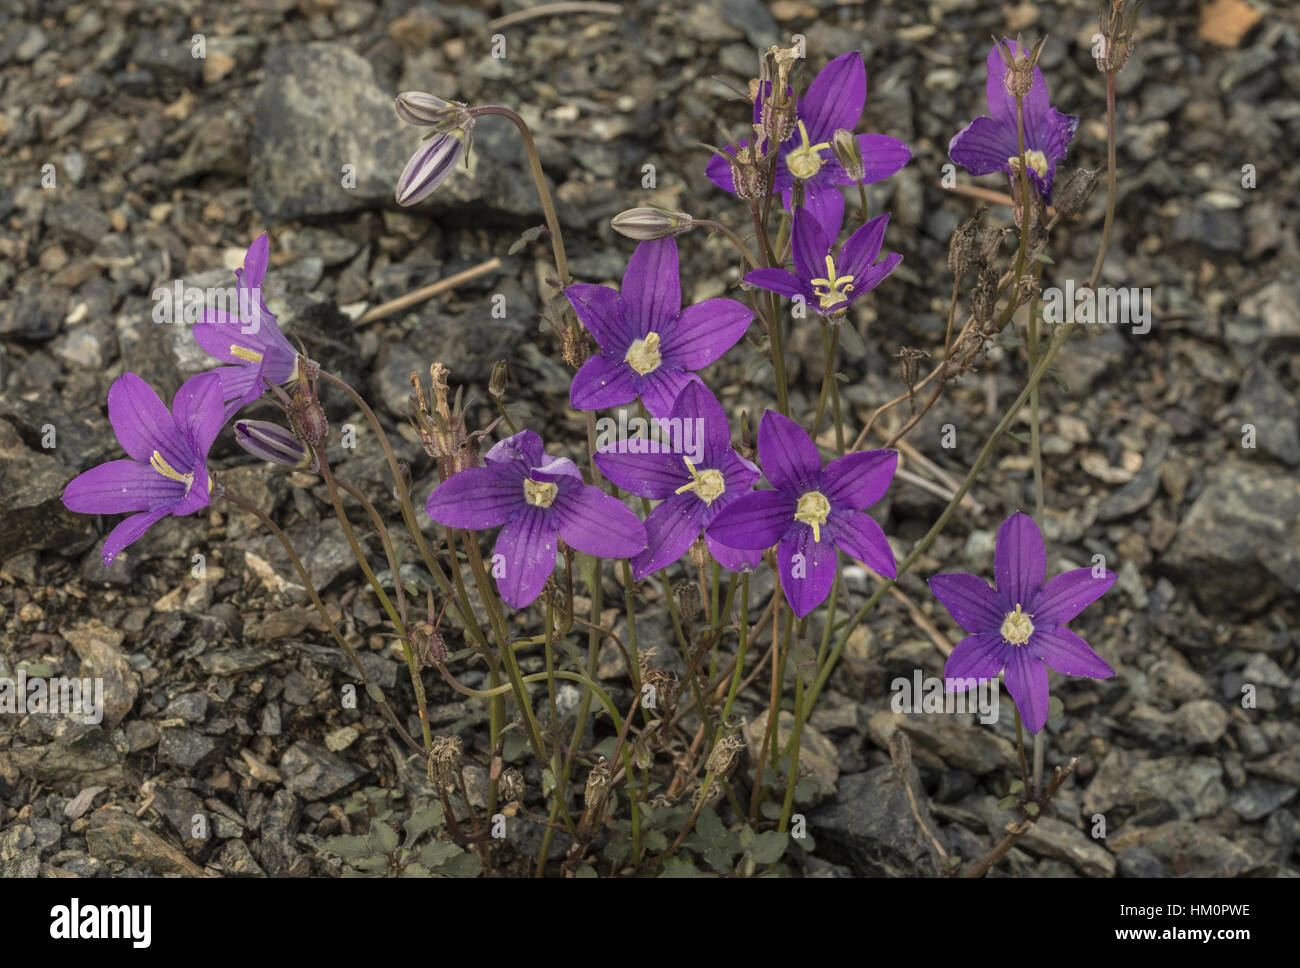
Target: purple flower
{"x": 693, "y": 489}
{"x": 1020, "y": 626}
{"x": 250, "y": 341}
{"x": 834, "y": 100}
{"x": 990, "y": 144}
{"x": 827, "y": 284}
{"x": 537, "y": 499}
{"x": 648, "y": 343}
{"x": 812, "y": 511}
{"x": 167, "y": 472}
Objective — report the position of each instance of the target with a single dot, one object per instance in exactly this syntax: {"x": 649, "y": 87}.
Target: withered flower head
{"x": 1118, "y": 19}
{"x": 1075, "y": 192}
{"x": 725, "y": 756}
{"x": 441, "y": 425}
{"x": 512, "y": 785}
{"x": 445, "y": 759}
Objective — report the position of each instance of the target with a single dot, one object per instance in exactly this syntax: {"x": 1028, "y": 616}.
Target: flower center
{"x": 244, "y": 353}
{"x": 643, "y": 355}
{"x": 803, "y": 160}
{"x": 538, "y": 493}
{"x": 708, "y": 485}
{"x": 159, "y": 463}
{"x": 1036, "y": 159}
{"x": 1016, "y": 627}
{"x": 832, "y": 289}
{"x": 813, "y": 509}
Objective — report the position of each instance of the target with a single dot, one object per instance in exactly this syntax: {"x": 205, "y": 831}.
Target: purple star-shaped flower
{"x": 812, "y": 511}
{"x": 990, "y": 144}
{"x": 251, "y": 340}
{"x": 167, "y": 472}
{"x": 537, "y": 499}
{"x": 693, "y": 489}
{"x": 648, "y": 344}
{"x": 834, "y": 100}
{"x": 1020, "y": 626}
{"x": 827, "y": 284}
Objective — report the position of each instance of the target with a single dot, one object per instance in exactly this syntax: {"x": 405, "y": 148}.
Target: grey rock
{"x": 1141, "y": 489}
{"x": 1239, "y": 545}
{"x": 36, "y": 314}
{"x": 116, "y": 835}
{"x": 236, "y": 661}
{"x": 1186, "y": 849}
{"x": 1050, "y": 837}
{"x": 190, "y": 706}
{"x": 870, "y": 827}
{"x": 313, "y": 773}
{"x": 1260, "y": 797}
{"x": 185, "y": 748}
{"x": 279, "y": 830}
{"x": 237, "y": 860}
{"x": 1264, "y": 403}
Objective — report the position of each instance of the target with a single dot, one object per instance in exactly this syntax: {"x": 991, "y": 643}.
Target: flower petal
{"x": 1068, "y": 594}
{"x": 527, "y": 545}
{"x": 860, "y": 479}
{"x": 121, "y": 485}
{"x": 255, "y": 262}
{"x": 600, "y": 309}
{"x": 754, "y": 521}
{"x": 603, "y": 382}
{"x": 648, "y": 475}
{"x": 882, "y": 156}
{"x": 810, "y": 244}
{"x": 1067, "y": 653}
{"x": 782, "y": 282}
{"x": 862, "y": 247}
{"x": 983, "y": 146}
{"x": 523, "y": 447}
{"x": 859, "y": 535}
{"x": 659, "y": 389}
{"x": 597, "y": 524}
{"x": 733, "y": 559}
{"x": 970, "y": 601}
{"x": 787, "y": 454}
{"x": 143, "y": 424}
{"x": 476, "y": 498}
{"x": 975, "y": 657}
{"x": 652, "y": 289}
{"x": 671, "y": 529}
{"x": 1019, "y": 561}
{"x": 835, "y": 97}
{"x": 129, "y": 531}
{"x": 807, "y": 569}
{"x": 198, "y": 413}
{"x": 1027, "y": 683}
{"x": 702, "y": 422}
{"x": 823, "y": 200}
{"x": 703, "y": 332}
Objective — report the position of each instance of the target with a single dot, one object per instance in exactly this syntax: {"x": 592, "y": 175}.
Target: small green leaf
{"x": 436, "y": 853}
{"x": 1055, "y": 707}
{"x": 415, "y": 870}
{"x": 655, "y": 840}
{"x": 1008, "y": 803}
{"x": 769, "y": 846}
{"x": 346, "y": 847}
{"x": 851, "y": 341}
{"x": 585, "y": 871}
{"x": 374, "y": 692}
{"x": 463, "y": 864}
{"x": 1016, "y": 787}
{"x": 419, "y": 824}
{"x": 383, "y": 838}
{"x": 677, "y": 867}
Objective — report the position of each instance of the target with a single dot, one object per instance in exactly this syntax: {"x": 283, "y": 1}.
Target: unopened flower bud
{"x": 512, "y": 785}
{"x": 432, "y": 163}
{"x": 651, "y": 222}
{"x": 1074, "y": 193}
{"x": 499, "y": 378}
{"x": 848, "y": 152}
{"x": 417, "y": 107}
{"x": 272, "y": 443}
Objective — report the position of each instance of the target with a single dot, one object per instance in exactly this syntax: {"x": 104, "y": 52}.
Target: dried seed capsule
{"x": 512, "y": 785}
{"x": 964, "y": 244}
{"x": 1074, "y": 193}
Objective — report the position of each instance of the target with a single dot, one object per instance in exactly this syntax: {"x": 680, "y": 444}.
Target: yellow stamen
{"x": 708, "y": 485}
{"x": 1016, "y": 627}
{"x": 159, "y": 463}
{"x": 643, "y": 355}
{"x": 244, "y": 353}
{"x": 832, "y": 289}
{"x": 539, "y": 494}
{"x": 804, "y": 161}
{"x": 813, "y": 509}
{"x": 1036, "y": 159}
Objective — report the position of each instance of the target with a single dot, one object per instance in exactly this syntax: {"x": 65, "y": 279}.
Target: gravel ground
{"x": 130, "y": 163}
